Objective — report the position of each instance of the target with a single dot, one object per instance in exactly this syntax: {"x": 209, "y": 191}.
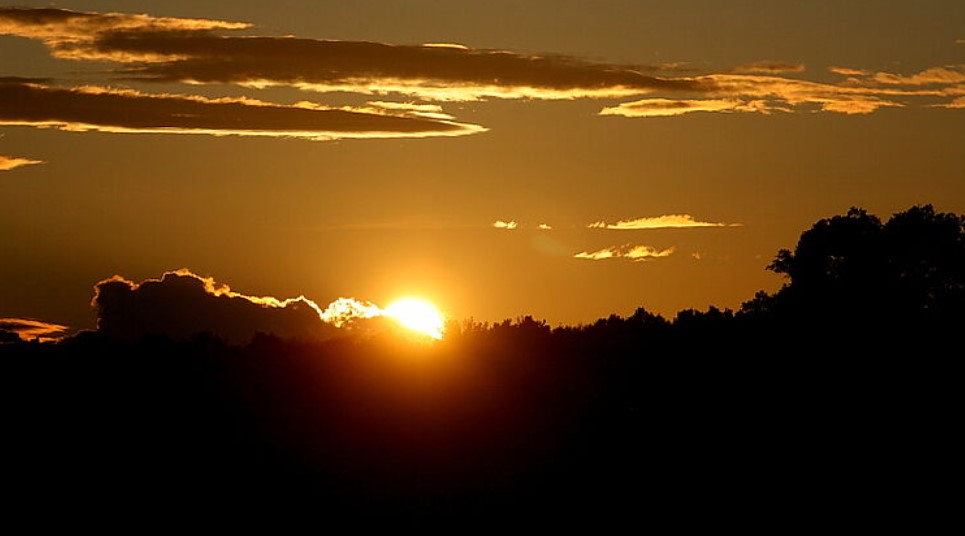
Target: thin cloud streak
{"x": 29, "y": 329}
{"x": 669, "y": 108}
{"x": 634, "y": 253}
{"x": 668, "y": 221}
{"x": 770, "y": 67}
{"x": 12, "y": 162}
{"x": 112, "y": 110}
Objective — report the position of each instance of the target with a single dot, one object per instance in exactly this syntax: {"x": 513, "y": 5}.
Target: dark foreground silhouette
{"x": 829, "y": 403}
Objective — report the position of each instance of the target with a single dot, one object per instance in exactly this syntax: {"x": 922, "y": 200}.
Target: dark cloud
{"x": 198, "y": 51}
{"x": 440, "y": 72}
{"x": 187, "y": 50}
{"x": 91, "y": 108}
{"x": 181, "y": 304}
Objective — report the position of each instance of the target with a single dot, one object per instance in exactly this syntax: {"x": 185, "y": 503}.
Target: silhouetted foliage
{"x": 856, "y": 270}
{"x": 827, "y": 392}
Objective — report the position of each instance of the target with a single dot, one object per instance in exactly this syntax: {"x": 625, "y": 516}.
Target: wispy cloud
{"x": 634, "y": 253}
{"x": 770, "y": 67}
{"x": 957, "y": 103}
{"x": 28, "y": 329}
{"x": 11, "y": 162}
{"x": 508, "y": 225}
{"x": 667, "y": 107}
{"x": 935, "y": 75}
{"x": 862, "y": 93}
{"x": 660, "y": 222}
{"x": 544, "y": 227}
{"x": 113, "y": 110}
{"x": 848, "y": 71}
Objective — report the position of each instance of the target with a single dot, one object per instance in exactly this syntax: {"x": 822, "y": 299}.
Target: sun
{"x": 418, "y": 315}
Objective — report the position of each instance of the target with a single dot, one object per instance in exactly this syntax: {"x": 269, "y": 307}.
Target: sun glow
{"x": 418, "y": 315}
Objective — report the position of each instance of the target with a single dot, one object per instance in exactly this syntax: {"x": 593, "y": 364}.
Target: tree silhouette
{"x": 853, "y": 267}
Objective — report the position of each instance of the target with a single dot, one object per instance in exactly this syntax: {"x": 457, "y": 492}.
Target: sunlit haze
{"x": 417, "y": 315}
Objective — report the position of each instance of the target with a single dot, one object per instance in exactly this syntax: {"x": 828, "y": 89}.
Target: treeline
{"x": 830, "y": 397}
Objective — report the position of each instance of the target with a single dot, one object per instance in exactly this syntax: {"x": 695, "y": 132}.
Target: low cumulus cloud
{"x": 508, "y": 225}
{"x": 26, "y": 329}
{"x": 113, "y": 110}
{"x": 631, "y": 252}
{"x": 12, "y": 162}
{"x": 660, "y": 222}
{"x": 181, "y": 304}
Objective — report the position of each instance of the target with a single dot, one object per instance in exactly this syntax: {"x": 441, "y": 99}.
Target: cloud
{"x": 11, "y": 162}
{"x": 431, "y": 111}
{"x": 181, "y": 304}
{"x": 660, "y": 222}
{"x": 198, "y": 51}
{"x": 508, "y": 225}
{"x": 72, "y": 34}
{"x": 847, "y": 71}
{"x": 634, "y": 253}
{"x": 862, "y": 93}
{"x": 957, "y": 103}
{"x": 954, "y": 74}
{"x": 859, "y": 94}
{"x": 545, "y": 227}
{"x": 770, "y": 67}
{"x": 667, "y": 107}
{"x": 186, "y": 50}
{"x": 114, "y": 110}
{"x": 28, "y": 329}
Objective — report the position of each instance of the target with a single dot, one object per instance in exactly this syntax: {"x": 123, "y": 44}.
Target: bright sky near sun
{"x": 567, "y": 160}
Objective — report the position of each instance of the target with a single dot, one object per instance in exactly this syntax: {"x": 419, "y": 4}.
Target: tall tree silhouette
{"x": 855, "y": 268}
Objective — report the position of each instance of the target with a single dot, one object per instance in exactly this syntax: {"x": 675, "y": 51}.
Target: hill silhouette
{"x": 825, "y": 401}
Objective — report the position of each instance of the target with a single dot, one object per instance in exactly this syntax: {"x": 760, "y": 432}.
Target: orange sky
{"x": 567, "y": 160}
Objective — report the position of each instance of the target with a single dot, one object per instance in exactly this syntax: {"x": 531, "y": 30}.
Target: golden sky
{"x": 563, "y": 159}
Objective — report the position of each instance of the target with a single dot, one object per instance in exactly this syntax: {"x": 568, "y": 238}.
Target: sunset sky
{"x": 560, "y": 159}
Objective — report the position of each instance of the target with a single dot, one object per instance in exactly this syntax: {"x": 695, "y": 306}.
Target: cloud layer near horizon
{"x": 111, "y": 110}
{"x": 180, "y": 304}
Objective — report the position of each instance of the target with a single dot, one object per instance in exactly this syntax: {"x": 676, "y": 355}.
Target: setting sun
{"x": 418, "y": 315}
